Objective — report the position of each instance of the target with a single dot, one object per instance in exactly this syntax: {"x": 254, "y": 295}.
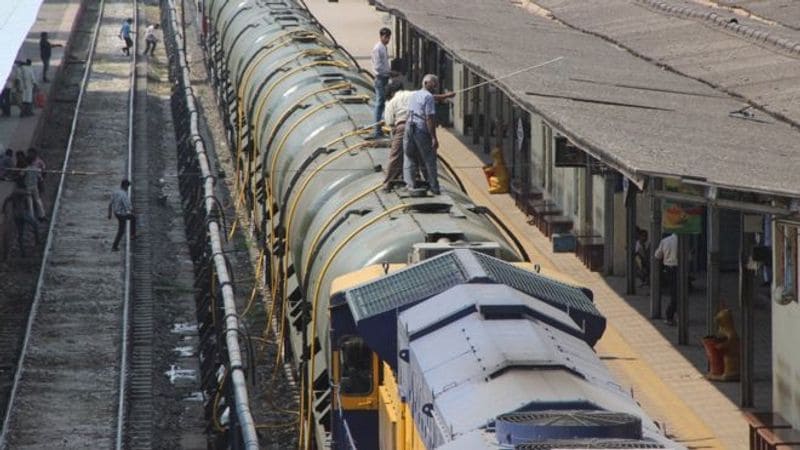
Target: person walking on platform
{"x": 122, "y": 208}
{"x": 46, "y": 51}
{"x": 31, "y": 181}
{"x": 382, "y": 68}
{"x": 667, "y": 252}
{"x": 7, "y": 165}
{"x": 18, "y": 204}
{"x": 38, "y": 163}
{"x": 125, "y": 35}
{"x": 420, "y": 143}
{"x": 150, "y": 39}
{"x": 27, "y": 83}
{"x": 5, "y": 97}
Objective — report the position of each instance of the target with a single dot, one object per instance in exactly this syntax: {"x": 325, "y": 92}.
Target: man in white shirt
{"x": 667, "y": 252}
{"x": 420, "y": 143}
{"x": 150, "y": 39}
{"x": 395, "y": 116}
{"x": 380, "y": 64}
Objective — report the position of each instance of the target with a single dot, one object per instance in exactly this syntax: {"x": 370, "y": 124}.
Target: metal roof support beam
{"x": 630, "y": 239}
{"x": 746, "y": 280}
{"x": 655, "y": 238}
{"x": 712, "y": 268}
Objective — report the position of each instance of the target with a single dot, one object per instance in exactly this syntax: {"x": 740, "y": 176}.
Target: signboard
{"x": 567, "y": 154}
{"x": 681, "y": 218}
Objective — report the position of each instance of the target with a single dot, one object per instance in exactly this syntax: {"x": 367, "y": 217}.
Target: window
{"x": 355, "y": 363}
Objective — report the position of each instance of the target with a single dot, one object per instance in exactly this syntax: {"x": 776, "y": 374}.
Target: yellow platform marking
{"x": 656, "y": 397}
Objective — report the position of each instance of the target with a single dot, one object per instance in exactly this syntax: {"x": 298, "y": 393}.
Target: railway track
{"x": 70, "y": 386}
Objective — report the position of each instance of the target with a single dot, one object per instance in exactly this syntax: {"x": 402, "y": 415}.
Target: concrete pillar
{"x": 475, "y": 93}
{"x": 712, "y": 268}
{"x": 487, "y": 121}
{"x": 683, "y": 289}
{"x": 588, "y": 199}
{"x": 608, "y": 223}
{"x": 630, "y": 240}
{"x": 655, "y": 238}
{"x": 746, "y": 307}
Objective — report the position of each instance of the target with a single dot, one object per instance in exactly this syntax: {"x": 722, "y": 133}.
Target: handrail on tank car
{"x": 224, "y": 279}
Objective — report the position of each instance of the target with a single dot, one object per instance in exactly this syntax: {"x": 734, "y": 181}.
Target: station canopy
{"x": 16, "y": 19}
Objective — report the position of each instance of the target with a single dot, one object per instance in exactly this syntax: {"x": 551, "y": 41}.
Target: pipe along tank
{"x": 297, "y": 109}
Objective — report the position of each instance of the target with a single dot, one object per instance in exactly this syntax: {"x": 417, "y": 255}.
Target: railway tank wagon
{"x": 297, "y": 108}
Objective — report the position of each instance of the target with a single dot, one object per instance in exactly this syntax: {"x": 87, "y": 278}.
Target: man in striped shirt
{"x": 121, "y": 207}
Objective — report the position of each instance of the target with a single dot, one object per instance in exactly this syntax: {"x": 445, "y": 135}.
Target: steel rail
{"x": 123, "y": 367}
{"x": 215, "y": 233}
{"x": 50, "y": 231}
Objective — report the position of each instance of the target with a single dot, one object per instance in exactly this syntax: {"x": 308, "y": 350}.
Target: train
{"x": 413, "y": 322}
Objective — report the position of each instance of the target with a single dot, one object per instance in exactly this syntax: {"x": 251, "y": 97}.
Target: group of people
{"x": 411, "y": 116}
{"x": 24, "y": 205}
{"x": 150, "y": 37}
{"x": 20, "y": 87}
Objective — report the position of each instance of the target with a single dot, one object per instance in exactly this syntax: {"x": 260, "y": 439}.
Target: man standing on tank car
{"x": 420, "y": 143}
{"x": 396, "y": 116}
{"x": 383, "y": 71}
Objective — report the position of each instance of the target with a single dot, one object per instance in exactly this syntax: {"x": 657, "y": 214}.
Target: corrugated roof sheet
{"x": 620, "y": 107}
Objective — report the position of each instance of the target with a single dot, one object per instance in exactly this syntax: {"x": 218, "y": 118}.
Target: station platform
{"x": 666, "y": 379}
{"x": 57, "y": 18}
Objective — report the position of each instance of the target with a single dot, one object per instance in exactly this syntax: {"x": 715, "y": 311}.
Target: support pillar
{"x": 608, "y": 223}
{"x": 475, "y": 93}
{"x": 655, "y": 238}
{"x": 683, "y": 289}
{"x": 588, "y": 200}
{"x": 487, "y": 112}
{"x": 630, "y": 239}
{"x": 712, "y": 268}
{"x": 746, "y": 307}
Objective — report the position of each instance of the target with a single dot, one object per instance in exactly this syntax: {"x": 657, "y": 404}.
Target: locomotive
{"x": 413, "y": 322}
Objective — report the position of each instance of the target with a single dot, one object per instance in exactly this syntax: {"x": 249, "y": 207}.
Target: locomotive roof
{"x": 435, "y": 275}
{"x": 629, "y": 111}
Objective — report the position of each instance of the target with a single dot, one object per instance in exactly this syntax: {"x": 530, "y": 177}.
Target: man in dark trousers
{"x": 46, "y": 51}
{"x": 18, "y": 203}
{"x": 121, "y": 206}
{"x": 125, "y": 34}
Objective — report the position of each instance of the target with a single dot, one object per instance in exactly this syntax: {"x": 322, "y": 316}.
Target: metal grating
{"x": 421, "y": 281}
{"x": 589, "y": 443}
{"x": 435, "y": 275}
{"x": 550, "y": 291}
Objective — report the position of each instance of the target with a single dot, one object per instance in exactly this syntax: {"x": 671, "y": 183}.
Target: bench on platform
{"x": 522, "y": 195}
{"x": 553, "y": 224}
{"x": 762, "y": 425}
{"x": 590, "y": 250}
{"x": 542, "y": 209}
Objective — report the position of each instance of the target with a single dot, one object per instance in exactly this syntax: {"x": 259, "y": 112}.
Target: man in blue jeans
{"x": 420, "y": 143}
{"x": 382, "y": 68}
